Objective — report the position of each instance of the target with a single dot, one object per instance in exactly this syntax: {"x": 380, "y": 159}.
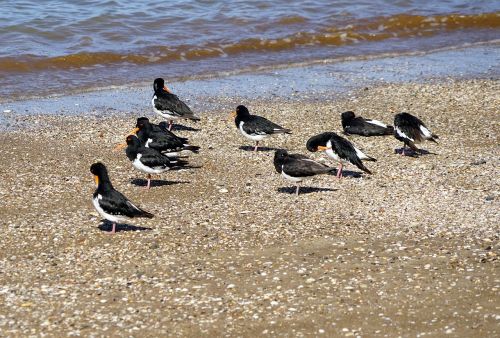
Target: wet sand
{"x": 411, "y": 250}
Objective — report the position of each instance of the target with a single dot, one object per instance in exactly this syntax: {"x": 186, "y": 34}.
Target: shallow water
{"x": 64, "y": 46}
{"x": 320, "y": 81}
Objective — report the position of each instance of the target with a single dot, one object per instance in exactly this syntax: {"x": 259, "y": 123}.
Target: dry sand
{"x": 409, "y": 251}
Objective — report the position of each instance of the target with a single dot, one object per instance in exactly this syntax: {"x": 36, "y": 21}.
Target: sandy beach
{"x": 411, "y": 250}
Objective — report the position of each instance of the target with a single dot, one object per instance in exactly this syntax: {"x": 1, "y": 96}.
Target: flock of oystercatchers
{"x": 154, "y": 149}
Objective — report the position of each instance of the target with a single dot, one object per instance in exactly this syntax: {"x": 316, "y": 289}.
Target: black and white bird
{"x": 161, "y": 128}
{"x": 162, "y": 140}
{"x": 168, "y": 105}
{"x": 255, "y": 128}
{"x": 339, "y": 149}
{"x": 147, "y": 160}
{"x": 297, "y": 167}
{"x": 110, "y": 203}
{"x": 358, "y": 125}
{"x": 410, "y": 130}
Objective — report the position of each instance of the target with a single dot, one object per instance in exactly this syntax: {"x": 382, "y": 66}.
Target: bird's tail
{"x": 145, "y": 214}
{"x": 194, "y": 149}
{"x": 361, "y": 166}
{"x": 433, "y": 138}
{"x": 177, "y": 162}
{"x": 283, "y": 131}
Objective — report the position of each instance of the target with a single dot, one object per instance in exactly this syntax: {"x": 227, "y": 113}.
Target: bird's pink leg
{"x": 170, "y": 124}
{"x": 403, "y": 151}
{"x": 256, "y": 145}
{"x": 113, "y": 229}
{"x": 149, "y": 182}
{"x": 339, "y": 170}
{"x": 297, "y": 190}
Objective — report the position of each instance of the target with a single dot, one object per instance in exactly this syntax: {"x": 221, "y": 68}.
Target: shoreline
{"x": 410, "y": 250}
{"x": 319, "y": 79}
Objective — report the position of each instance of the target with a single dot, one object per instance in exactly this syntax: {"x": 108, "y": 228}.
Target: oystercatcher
{"x": 339, "y": 149}
{"x": 297, "y": 167}
{"x": 158, "y": 139}
{"x": 358, "y": 125}
{"x": 254, "y": 127}
{"x": 410, "y": 130}
{"x": 147, "y": 160}
{"x": 110, "y": 203}
{"x": 168, "y": 105}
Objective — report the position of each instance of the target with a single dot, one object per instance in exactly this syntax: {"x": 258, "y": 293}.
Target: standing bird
{"x": 168, "y": 105}
{"x": 111, "y": 204}
{"x": 339, "y": 149}
{"x": 254, "y": 127}
{"x": 167, "y": 143}
{"x": 297, "y": 167}
{"x": 410, "y": 130}
{"x": 161, "y": 128}
{"x": 364, "y": 127}
{"x": 148, "y": 160}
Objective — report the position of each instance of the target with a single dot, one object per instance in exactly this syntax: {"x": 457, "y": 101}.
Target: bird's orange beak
{"x": 96, "y": 179}
{"x": 123, "y": 145}
{"x": 165, "y": 88}
{"x": 133, "y": 131}
{"x": 321, "y": 148}
{"x": 120, "y": 146}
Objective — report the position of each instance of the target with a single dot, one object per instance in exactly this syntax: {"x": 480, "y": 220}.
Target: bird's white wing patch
{"x": 132, "y": 205}
{"x": 377, "y": 123}
{"x": 403, "y": 135}
{"x": 426, "y": 132}
{"x": 360, "y": 154}
{"x": 148, "y": 142}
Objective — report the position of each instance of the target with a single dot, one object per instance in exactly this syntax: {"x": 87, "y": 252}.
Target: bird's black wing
{"x": 154, "y": 159}
{"x": 115, "y": 203}
{"x": 170, "y": 102}
{"x": 257, "y": 125}
{"x": 346, "y": 151}
{"x": 361, "y": 126}
{"x": 303, "y": 167}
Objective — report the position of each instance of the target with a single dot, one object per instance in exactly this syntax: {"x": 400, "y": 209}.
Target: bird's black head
{"x": 141, "y": 119}
{"x": 242, "y": 111}
{"x": 158, "y": 84}
{"x": 98, "y": 168}
{"x": 133, "y": 141}
{"x": 280, "y": 154}
{"x": 347, "y": 116}
{"x": 317, "y": 142}
{"x": 280, "y": 157}
{"x": 143, "y": 124}
{"x": 400, "y": 118}
{"x": 100, "y": 174}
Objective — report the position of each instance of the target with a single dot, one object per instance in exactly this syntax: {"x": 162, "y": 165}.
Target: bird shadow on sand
{"x": 180, "y": 127}
{"x": 347, "y": 173}
{"x": 303, "y": 190}
{"x": 155, "y": 183}
{"x": 186, "y": 167}
{"x": 251, "y": 148}
{"x": 108, "y": 226}
{"x": 413, "y": 153}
